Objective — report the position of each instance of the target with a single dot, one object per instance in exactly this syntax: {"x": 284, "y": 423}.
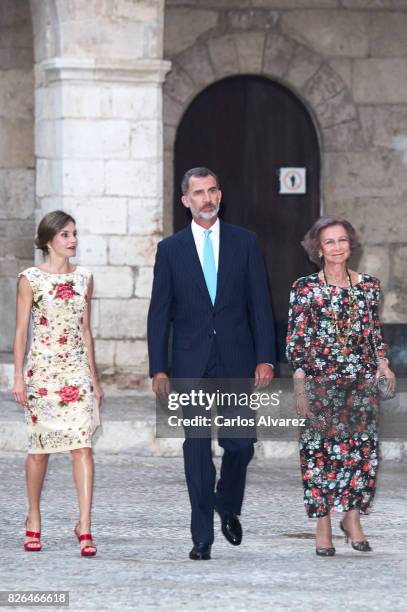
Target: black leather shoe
{"x": 231, "y": 528}
{"x": 325, "y": 552}
{"x": 200, "y": 552}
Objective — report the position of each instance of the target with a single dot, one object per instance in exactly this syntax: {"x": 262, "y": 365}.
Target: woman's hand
{"x": 97, "y": 391}
{"x": 384, "y": 370}
{"x": 20, "y": 391}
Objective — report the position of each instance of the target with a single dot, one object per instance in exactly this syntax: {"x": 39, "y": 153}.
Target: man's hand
{"x": 161, "y": 385}
{"x": 263, "y": 375}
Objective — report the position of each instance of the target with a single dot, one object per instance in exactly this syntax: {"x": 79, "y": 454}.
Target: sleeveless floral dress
{"x": 59, "y": 387}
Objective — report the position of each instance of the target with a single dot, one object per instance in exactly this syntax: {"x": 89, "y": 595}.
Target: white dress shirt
{"x": 198, "y": 233}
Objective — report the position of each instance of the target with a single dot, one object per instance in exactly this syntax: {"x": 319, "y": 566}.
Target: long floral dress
{"x": 59, "y": 388}
{"x": 334, "y": 335}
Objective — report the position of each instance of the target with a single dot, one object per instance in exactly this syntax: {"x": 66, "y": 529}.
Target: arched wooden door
{"x": 246, "y": 128}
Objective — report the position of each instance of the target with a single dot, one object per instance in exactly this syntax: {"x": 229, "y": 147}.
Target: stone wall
{"x": 16, "y": 156}
{"x": 347, "y": 60}
{"x": 99, "y": 150}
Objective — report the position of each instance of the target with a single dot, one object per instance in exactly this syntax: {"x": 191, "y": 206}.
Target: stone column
{"x": 16, "y": 158}
{"x": 99, "y": 157}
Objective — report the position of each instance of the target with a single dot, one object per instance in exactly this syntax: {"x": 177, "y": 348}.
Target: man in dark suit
{"x": 210, "y": 285}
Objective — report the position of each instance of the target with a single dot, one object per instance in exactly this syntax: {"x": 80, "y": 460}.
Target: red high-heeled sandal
{"x": 32, "y": 546}
{"x": 90, "y": 549}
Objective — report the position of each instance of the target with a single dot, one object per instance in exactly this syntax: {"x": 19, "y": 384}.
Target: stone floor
{"x": 141, "y": 527}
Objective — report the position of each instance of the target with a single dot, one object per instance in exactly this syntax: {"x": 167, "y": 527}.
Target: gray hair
{"x": 200, "y": 171}
{"x": 312, "y": 242}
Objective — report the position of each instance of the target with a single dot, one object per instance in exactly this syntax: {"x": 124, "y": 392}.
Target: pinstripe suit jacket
{"x": 241, "y": 317}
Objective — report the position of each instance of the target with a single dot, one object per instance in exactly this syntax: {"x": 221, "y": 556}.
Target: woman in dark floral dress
{"x": 336, "y": 350}
{"x": 59, "y": 385}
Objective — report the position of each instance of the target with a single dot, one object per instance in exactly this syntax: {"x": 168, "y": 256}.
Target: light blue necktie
{"x": 209, "y": 268}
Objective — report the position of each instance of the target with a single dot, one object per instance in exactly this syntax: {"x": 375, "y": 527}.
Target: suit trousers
{"x": 200, "y": 470}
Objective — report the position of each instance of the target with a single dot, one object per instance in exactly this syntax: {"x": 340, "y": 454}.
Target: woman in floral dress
{"x": 59, "y": 388}
{"x": 336, "y": 350}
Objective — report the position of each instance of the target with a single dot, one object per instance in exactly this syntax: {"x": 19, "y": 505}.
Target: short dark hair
{"x": 200, "y": 171}
{"x": 51, "y": 224}
{"x": 312, "y": 242}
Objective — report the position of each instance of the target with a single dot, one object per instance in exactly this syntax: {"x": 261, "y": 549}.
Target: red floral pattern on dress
{"x": 64, "y": 291}
{"x": 69, "y": 394}
{"x": 58, "y": 379}
{"x": 338, "y": 447}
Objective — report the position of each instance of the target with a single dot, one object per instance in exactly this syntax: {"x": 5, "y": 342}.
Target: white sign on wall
{"x": 292, "y": 180}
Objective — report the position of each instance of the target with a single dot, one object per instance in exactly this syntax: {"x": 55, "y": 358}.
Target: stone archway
{"x": 277, "y": 57}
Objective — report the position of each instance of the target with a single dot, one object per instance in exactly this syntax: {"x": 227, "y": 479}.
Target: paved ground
{"x": 141, "y": 528}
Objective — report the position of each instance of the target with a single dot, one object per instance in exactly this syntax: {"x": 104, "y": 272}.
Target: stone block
{"x": 375, "y": 4}
{"x": 92, "y": 250}
{"x": 146, "y": 140}
{"x": 102, "y": 139}
{"x": 105, "y": 351}
{"x": 16, "y": 193}
{"x": 169, "y": 137}
{"x": 144, "y": 216}
{"x": 196, "y": 63}
{"x": 250, "y": 47}
{"x": 375, "y": 260}
{"x": 139, "y": 11}
{"x": 394, "y": 307}
{"x": 352, "y": 175}
{"x": 14, "y": 12}
{"x": 132, "y": 250}
{"x": 69, "y": 177}
{"x": 135, "y": 178}
{"x": 81, "y": 177}
{"x": 335, "y": 110}
{"x": 399, "y": 256}
{"x": 183, "y": 27}
{"x": 383, "y": 126}
{"x": 343, "y": 67}
{"x": 131, "y": 101}
{"x": 223, "y": 54}
{"x": 11, "y": 267}
{"x": 344, "y": 137}
{"x": 20, "y": 35}
{"x": 378, "y": 220}
{"x": 17, "y": 93}
{"x": 304, "y": 64}
{"x": 278, "y": 52}
{"x": 325, "y": 84}
{"x": 123, "y": 318}
{"x": 380, "y": 81}
{"x": 8, "y": 312}
{"x": 14, "y": 58}
{"x": 331, "y": 33}
{"x": 388, "y": 35}
{"x": 260, "y": 19}
{"x": 132, "y": 354}
{"x": 296, "y": 4}
{"x": 76, "y": 100}
{"x": 49, "y": 138}
{"x": 179, "y": 85}
{"x": 101, "y": 38}
{"x": 17, "y": 239}
{"x": 144, "y": 282}
{"x": 172, "y": 110}
{"x": 98, "y": 215}
{"x": 113, "y": 281}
